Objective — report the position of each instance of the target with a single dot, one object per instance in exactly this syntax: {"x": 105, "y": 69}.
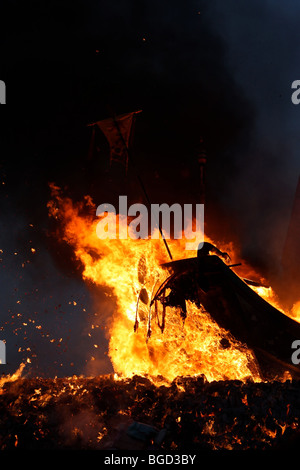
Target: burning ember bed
{"x": 190, "y": 414}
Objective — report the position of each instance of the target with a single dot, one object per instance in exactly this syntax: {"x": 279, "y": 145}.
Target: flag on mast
{"x": 118, "y": 132}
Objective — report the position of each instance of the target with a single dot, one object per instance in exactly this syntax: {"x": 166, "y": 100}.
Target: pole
{"x": 129, "y": 156}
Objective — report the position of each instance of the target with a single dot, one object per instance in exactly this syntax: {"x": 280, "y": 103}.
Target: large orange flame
{"x": 126, "y": 267}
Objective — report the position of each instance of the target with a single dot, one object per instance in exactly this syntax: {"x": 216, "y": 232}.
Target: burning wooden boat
{"x": 211, "y": 284}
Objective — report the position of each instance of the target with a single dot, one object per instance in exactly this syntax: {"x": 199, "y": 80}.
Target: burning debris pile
{"x": 133, "y": 414}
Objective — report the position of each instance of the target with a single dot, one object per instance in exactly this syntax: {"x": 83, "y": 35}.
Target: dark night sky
{"x": 221, "y": 69}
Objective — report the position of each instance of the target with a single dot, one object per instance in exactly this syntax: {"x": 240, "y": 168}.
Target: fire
{"x": 129, "y": 267}
{"x": 13, "y": 377}
{"x": 295, "y": 314}
{"x": 269, "y": 295}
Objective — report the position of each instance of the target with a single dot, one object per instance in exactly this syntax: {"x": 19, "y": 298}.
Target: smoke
{"x": 260, "y": 42}
{"x": 49, "y": 320}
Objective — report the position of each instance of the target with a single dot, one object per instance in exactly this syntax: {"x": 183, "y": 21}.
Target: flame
{"x": 268, "y": 294}
{"x": 12, "y": 377}
{"x": 128, "y": 267}
{"x": 295, "y": 312}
